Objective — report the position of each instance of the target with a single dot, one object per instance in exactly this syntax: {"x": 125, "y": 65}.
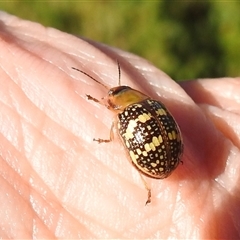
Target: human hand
{"x": 57, "y": 183}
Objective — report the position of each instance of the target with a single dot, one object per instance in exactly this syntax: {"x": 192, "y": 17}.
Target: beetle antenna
{"x": 90, "y": 77}
{"x": 119, "y": 73}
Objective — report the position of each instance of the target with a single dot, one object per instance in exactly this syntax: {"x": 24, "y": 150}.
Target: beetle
{"x": 147, "y": 129}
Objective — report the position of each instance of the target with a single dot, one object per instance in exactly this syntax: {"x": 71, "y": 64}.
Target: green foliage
{"x": 186, "y": 39}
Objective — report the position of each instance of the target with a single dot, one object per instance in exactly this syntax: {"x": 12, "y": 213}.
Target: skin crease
{"x": 57, "y": 183}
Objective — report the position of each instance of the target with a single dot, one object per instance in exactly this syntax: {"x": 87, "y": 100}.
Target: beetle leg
{"x": 147, "y": 188}
{"x": 111, "y": 136}
{"x": 89, "y": 97}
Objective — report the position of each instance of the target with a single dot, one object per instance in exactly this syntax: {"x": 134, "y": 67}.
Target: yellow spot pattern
{"x": 129, "y": 131}
{"x": 139, "y": 152}
{"x": 174, "y": 135}
{"x": 170, "y": 137}
{"x": 144, "y": 117}
{"x": 161, "y": 112}
{"x": 147, "y": 147}
{"x": 150, "y": 143}
{"x": 155, "y": 141}
{"x": 133, "y": 156}
{"x": 128, "y": 134}
{"x": 132, "y": 124}
{"x": 144, "y": 153}
{"x": 152, "y": 146}
{"x": 153, "y": 164}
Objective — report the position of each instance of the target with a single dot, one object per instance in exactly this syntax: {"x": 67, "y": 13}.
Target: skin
{"x": 57, "y": 183}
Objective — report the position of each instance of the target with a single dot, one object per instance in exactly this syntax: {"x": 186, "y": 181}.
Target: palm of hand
{"x": 56, "y": 182}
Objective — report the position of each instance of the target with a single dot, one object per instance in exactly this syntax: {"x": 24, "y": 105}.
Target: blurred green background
{"x": 186, "y": 39}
